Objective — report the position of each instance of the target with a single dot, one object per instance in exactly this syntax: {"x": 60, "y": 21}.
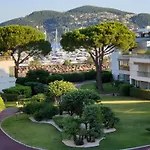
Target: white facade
{"x": 7, "y": 78}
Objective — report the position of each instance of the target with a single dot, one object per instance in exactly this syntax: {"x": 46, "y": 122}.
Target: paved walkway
{"x": 5, "y": 142}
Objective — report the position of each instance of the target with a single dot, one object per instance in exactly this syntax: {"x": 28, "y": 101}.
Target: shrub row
{"x": 42, "y": 76}
{"x": 19, "y": 90}
{"x": 140, "y": 93}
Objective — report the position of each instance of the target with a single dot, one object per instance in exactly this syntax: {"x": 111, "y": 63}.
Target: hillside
{"x": 48, "y": 20}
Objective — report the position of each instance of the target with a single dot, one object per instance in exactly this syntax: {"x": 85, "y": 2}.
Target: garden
{"x": 83, "y": 115}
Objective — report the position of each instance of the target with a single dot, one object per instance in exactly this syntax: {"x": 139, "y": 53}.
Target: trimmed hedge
{"x": 9, "y": 97}
{"x": 19, "y": 89}
{"x": 53, "y": 78}
{"x": 124, "y": 89}
{"x": 140, "y": 93}
{"x": 22, "y": 80}
{"x": 2, "y": 105}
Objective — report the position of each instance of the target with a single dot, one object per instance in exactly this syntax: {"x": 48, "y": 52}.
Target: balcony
{"x": 143, "y": 74}
{"x": 124, "y": 67}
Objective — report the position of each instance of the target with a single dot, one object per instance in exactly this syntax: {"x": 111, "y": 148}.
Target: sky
{"x": 10, "y": 9}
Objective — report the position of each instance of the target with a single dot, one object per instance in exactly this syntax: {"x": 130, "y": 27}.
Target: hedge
{"x": 124, "y": 89}
{"x": 19, "y": 89}
{"x": 140, "y": 93}
{"x": 9, "y": 97}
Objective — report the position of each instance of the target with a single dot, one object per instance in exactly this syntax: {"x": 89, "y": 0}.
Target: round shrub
{"x": 109, "y": 117}
{"x": 53, "y": 78}
{"x": 21, "y": 80}
{"x": 39, "y": 98}
{"x": 46, "y": 113}
{"x": 124, "y": 89}
{"x": 31, "y": 108}
{"x": 2, "y": 105}
{"x": 38, "y": 75}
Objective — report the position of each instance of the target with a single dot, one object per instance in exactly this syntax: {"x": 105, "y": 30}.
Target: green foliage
{"x": 109, "y": 117}
{"x": 59, "y": 120}
{"x": 20, "y": 39}
{"x": 107, "y": 76}
{"x": 9, "y": 97}
{"x": 90, "y": 75}
{"x": 22, "y": 80}
{"x": 2, "y": 105}
{"x": 74, "y": 101}
{"x": 59, "y": 88}
{"x": 124, "y": 89}
{"x": 46, "y": 113}
{"x": 73, "y": 77}
{"x": 19, "y": 89}
{"x": 35, "y": 63}
{"x": 54, "y": 77}
{"x": 38, "y": 75}
{"x": 38, "y": 98}
{"x": 37, "y": 87}
{"x": 140, "y": 93}
{"x": 31, "y": 108}
{"x": 117, "y": 83}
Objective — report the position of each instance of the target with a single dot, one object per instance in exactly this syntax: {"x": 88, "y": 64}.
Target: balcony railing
{"x": 143, "y": 74}
{"x": 126, "y": 68}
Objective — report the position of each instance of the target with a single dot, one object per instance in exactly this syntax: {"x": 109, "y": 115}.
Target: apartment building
{"x": 134, "y": 68}
{"x": 7, "y": 72}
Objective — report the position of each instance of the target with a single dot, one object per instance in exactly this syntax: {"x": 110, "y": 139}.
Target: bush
{"x": 140, "y": 93}
{"x": 21, "y": 80}
{"x": 19, "y": 89}
{"x": 109, "y": 118}
{"x": 90, "y": 75}
{"x": 59, "y": 120}
{"x": 37, "y": 87}
{"x": 107, "y": 76}
{"x": 117, "y": 83}
{"x": 2, "y": 105}
{"x": 46, "y": 113}
{"x": 38, "y": 75}
{"x": 73, "y": 77}
{"x": 124, "y": 89}
{"x": 31, "y": 108}
{"x": 9, "y": 97}
{"x": 38, "y": 98}
{"x": 53, "y": 78}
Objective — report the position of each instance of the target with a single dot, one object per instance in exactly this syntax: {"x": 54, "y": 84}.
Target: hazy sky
{"x": 10, "y": 9}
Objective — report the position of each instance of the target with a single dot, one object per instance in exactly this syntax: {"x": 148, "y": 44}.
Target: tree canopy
{"x": 22, "y": 42}
{"x": 99, "y": 40}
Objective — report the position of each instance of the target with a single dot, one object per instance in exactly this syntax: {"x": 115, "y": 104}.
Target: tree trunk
{"x": 99, "y": 77}
{"x": 16, "y": 70}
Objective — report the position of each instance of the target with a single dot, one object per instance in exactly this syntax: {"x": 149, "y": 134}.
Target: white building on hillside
{"x": 7, "y": 72}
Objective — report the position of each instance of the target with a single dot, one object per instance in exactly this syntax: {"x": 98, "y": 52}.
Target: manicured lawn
{"x": 134, "y": 118}
{"x": 108, "y": 88}
{"x": 10, "y": 104}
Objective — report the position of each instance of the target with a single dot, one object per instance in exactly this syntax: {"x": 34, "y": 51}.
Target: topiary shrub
{"x": 22, "y": 80}
{"x": 46, "y": 113}
{"x": 124, "y": 89}
{"x": 31, "y": 108}
{"x": 109, "y": 118}
{"x": 19, "y": 89}
{"x": 37, "y": 87}
{"x": 55, "y": 77}
{"x": 59, "y": 120}
{"x": 38, "y": 75}
{"x": 38, "y": 98}
{"x": 2, "y": 105}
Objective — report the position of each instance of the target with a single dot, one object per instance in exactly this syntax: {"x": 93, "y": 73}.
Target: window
{"x": 12, "y": 71}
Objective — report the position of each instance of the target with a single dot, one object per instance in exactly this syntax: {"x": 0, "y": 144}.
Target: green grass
{"x": 108, "y": 88}
{"x": 134, "y": 118}
{"x": 10, "y": 104}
